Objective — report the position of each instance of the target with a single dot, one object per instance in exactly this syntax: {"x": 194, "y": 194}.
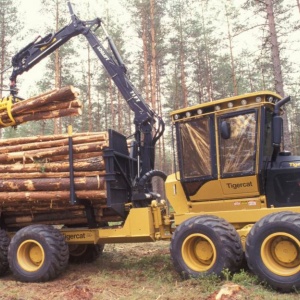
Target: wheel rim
{"x": 30, "y": 255}
{"x": 280, "y": 253}
{"x": 77, "y": 249}
{"x": 198, "y": 252}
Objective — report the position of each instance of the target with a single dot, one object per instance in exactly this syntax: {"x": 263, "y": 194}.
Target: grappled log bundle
{"x": 35, "y": 179}
{"x": 53, "y": 104}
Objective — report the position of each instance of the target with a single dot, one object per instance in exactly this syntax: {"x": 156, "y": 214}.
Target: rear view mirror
{"x": 225, "y": 130}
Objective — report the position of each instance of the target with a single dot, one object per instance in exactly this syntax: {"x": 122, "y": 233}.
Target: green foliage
{"x": 9, "y": 27}
{"x": 245, "y": 278}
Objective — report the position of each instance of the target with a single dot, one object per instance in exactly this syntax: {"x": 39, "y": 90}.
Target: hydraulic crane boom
{"x": 144, "y": 117}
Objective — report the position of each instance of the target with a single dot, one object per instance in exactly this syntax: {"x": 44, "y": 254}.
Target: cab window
{"x": 195, "y": 140}
{"x": 237, "y": 143}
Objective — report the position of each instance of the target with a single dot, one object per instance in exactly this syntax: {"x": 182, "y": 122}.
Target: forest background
{"x": 178, "y": 53}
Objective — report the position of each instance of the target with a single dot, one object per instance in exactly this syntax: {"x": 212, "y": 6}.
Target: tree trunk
{"x": 154, "y": 58}
{"x": 57, "y": 74}
{"x": 277, "y": 65}
{"x": 145, "y": 55}
{"x": 90, "y": 113}
{"x": 182, "y": 62}
{"x": 3, "y": 47}
{"x": 208, "y": 73}
{"x": 234, "y": 83}
{"x": 112, "y": 110}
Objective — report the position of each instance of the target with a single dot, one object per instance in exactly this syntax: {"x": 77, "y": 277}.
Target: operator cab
{"x": 229, "y": 152}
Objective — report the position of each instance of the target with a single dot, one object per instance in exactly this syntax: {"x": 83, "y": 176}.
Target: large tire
{"x": 38, "y": 253}
{"x": 273, "y": 250}
{"x": 205, "y": 245}
{"x": 4, "y": 243}
{"x": 84, "y": 253}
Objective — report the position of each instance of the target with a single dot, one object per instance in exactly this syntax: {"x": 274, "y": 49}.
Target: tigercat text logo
{"x": 103, "y": 53}
{"x": 76, "y": 236}
{"x": 294, "y": 164}
{"x": 239, "y": 185}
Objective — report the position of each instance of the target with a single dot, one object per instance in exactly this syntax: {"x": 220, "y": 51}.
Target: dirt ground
{"x": 126, "y": 271}
{"x": 114, "y": 275}
{"x": 123, "y": 271}
{"x": 82, "y": 281}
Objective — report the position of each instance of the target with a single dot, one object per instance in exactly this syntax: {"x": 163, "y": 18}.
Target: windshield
{"x": 237, "y": 152}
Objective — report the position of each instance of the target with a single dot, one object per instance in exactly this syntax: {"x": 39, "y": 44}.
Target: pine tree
{"x": 179, "y": 48}
{"x": 9, "y": 26}
{"x": 60, "y": 64}
{"x": 273, "y": 11}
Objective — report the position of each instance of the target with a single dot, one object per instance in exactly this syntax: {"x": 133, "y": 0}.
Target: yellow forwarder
{"x": 234, "y": 192}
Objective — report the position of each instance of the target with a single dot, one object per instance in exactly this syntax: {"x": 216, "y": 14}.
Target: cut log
{"x": 57, "y": 106}
{"x": 63, "y": 94}
{"x": 35, "y": 180}
{"x": 50, "y": 175}
{"x": 52, "y": 184}
{"x": 9, "y": 197}
{"x": 48, "y": 152}
{"x": 44, "y": 138}
{"x": 89, "y": 164}
{"x": 52, "y": 143}
{"x": 56, "y": 216}
{"x": 57, "y": 158}
{"x": 45, "y": 106}
{"x": 44, "y": 115}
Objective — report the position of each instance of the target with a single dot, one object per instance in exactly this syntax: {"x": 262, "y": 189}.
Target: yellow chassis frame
{"x": 142, "y": 225}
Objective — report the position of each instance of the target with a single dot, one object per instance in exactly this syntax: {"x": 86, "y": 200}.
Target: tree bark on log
{"x": 44, "y": 115}
{"x": 48, "y": 152}
{"x": 52, "y": 184}
{"x": 60, "y": 95}
{"x": 45, "y": 138}
{"x": 50, "y": 175}
{"x": 89, "y": 164}
{"x": 6, "y": 198}
{"x": 57, "y": 106}
{"x": 35, "y": 180}
{"x": 58, "y": 158}
{"x": 45, "y": 106}
{"x": 50, "y": 144}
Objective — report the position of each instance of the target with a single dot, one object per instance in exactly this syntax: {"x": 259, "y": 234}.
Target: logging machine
{"x": 235, "y": 191}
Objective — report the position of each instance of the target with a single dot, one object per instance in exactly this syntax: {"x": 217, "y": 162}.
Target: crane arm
{"x": 144, "y": 116}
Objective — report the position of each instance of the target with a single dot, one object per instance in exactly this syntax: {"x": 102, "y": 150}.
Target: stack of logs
{"x": 52, "y": 104}
{"x": 35, "y": 179}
